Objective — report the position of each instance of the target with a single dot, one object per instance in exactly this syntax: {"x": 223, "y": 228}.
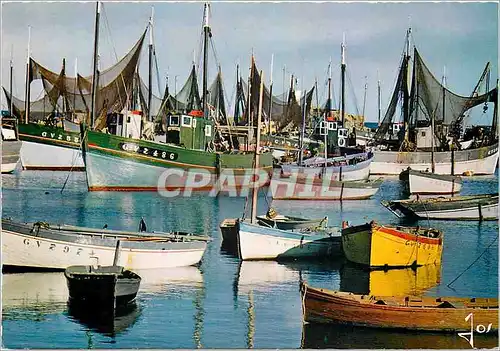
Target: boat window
{"x": 186, "y": 121}
{"x": 174, "y": 121}
{"x": 208, "y": 130}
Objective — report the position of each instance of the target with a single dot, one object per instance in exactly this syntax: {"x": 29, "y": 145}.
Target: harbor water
{"x": 225, "y": 303}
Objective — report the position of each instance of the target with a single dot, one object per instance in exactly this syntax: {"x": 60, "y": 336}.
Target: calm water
{"x": 224, "y": 303}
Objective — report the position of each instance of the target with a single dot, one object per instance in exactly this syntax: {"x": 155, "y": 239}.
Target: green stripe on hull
{"x": 55, "y": 136}
{"x": 168, "y": 156}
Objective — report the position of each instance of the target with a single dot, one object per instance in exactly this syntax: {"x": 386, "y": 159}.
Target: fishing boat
{"x": 258, "y": 242}
{"x": 41, "y": 245}
{"x": 11, "y": 146}
{"x": 383, "y": 246}
{"x": 425, "y": 313}
{"x": 101, "y": 285}
{"x": 322, "y": 188}
{"x": 433, "y": 121}
{"x": 470, "y": 207}
{"x": 122, "y": 163}
{"x": 349, "y": 167}
{"x": 276, "y": 220}
{"x": 427, "y": 183}
{"x": 49, "y": 126}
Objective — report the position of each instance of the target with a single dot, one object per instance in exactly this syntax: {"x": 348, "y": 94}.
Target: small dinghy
{"x": 108, "y": 286}
{"x": 102, "y": 285}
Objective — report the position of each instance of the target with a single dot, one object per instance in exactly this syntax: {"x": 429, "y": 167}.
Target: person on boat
{"x": 142, "y": 225}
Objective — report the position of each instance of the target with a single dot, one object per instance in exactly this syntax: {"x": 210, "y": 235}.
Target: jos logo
{"x": 479, "y": 329}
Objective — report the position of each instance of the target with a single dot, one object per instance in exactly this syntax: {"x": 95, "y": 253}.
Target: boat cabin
{"x": 189, "y": 130}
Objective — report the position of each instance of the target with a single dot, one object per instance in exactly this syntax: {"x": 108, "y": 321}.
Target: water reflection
{"x": 156, "y": 281}
{"x": 33, "y": 296}
{"x": 106, "y": 322}
{"x": 392, "y": 282}
{"x": 321, "y": 336}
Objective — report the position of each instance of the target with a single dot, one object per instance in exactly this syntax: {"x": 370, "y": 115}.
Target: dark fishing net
{"x": 114, "y": 84}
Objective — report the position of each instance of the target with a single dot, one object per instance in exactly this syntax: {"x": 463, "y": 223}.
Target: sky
{"x": 452, "y": 37}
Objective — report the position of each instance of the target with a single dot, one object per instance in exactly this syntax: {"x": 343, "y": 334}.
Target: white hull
{"x": 259, "y": 246}
{"x": 288, "y": 189}
{"x": 9, "y": 167}
{"x": 425, "y": 185}
{"x": 28, "y": 251}
{"x": 393, "y": 163}
{"x": 39, "y": 156}
{"x": 471, "y": 213}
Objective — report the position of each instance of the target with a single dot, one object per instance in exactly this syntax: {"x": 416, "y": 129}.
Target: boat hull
{"x": 50, "y": 148}
{"x": 325, "y": 306}
{"x": 429, "y": 184}
{"x": 57, "y": 251}
{"x": 262, "y": 243}
{"x": 102, "y": 289}
{"x": 11, "y": 150}
{"x": 119, "y": 164}
{"x": 321, "y": 189}
{"x": 359, "y": 171}
{"x": 475, "y": 207}
{"x": 476, "y": 161}
{"x": 379, "y": 247}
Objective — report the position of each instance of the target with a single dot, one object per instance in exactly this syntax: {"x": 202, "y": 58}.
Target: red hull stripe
{"x": 411, "y": 237}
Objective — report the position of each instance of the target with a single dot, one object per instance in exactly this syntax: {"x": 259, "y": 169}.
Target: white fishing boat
{"x": 349, "y": 167}
{"x": 427, "y": 183}
{"x": 257, "y": 242}
{"x": 322, "y": 188}
{"x": 11, "y": 145}
{"x": 471, "y": 207}
{"x": 41, "y": 245}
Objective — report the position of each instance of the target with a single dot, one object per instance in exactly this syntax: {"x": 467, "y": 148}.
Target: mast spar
{"x": 206, "y": 32}
{"x": 95, "y": 76}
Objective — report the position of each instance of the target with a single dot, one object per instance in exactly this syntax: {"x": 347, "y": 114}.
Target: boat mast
{"x": 74, "y": 90}
{"x": 28, "y": 81}
{"x": 270, "y": 94}
{"x": 378, "y": 99}
{"x": 150, "y": 65}
{"x": 11, "y": 112}
{"x": 255, "y": 190}
{"x": 364, "y": 98}
{"x": 329, "y": 109}
{"x": 95, "y": 78}
{"x": 303, "y": 128}
{"x": 406, "y": 97}
{"x": 342, "y": 69}
{"x": 206, "y": 31}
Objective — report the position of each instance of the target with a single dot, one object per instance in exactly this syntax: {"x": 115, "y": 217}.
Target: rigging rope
{"x": 466, "y": 269}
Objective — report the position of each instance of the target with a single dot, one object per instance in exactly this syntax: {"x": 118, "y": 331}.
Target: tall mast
{"x": 364, "y": 98}
{"x": 150, "y": 65}
{"x": 329, "y": 104}
{"x": 302, "y": 129}
{"x": 406, "y": 97}
{"x": 269, "y": 114}
{"x": 206, "y": 31}
{"x": 76, "y": 87}
{"x": 257, "y": 148}
{"x": 378, "y": 99}
{"x": 11, "y": 112}
{"x": 95, "y": 75}
{"x": 28, "y": 80}
{"x": 342, "y": 68}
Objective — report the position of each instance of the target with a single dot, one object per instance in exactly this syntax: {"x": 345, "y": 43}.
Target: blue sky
{"x": 304, "y": 36}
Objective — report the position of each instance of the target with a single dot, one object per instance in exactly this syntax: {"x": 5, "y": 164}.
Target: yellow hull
{"x": 378, "y": 246}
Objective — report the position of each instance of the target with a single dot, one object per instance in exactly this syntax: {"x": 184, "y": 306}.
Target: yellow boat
{"x": 382, "y": 246}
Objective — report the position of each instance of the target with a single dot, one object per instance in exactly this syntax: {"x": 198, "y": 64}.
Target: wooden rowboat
{"x": 47, "y": 246}
{"x": 290, "y": 223}
{"x": 107, "y": 286}
{"x": 443, "y": 314}
{"x": 382, "y": 246}
{"x": 471, "y": 207}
